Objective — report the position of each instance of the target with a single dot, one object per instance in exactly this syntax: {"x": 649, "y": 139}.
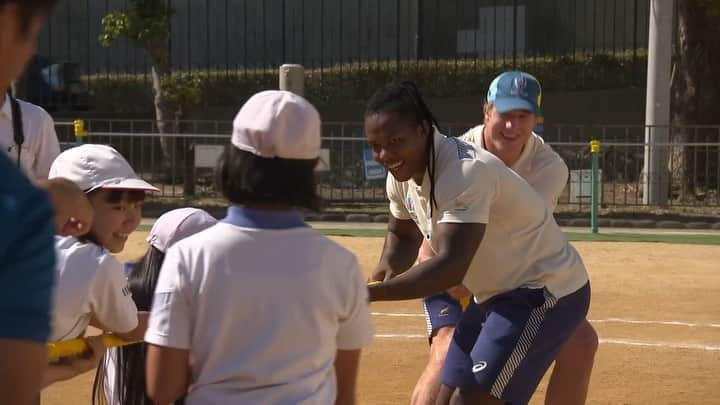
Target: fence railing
{"x": 181, "y": 164}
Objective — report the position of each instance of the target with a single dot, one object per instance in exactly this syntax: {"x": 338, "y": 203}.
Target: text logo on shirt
{"x": 463, "y": 149}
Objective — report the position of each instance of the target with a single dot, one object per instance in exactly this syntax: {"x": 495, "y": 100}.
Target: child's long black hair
{"x": 130, "y": 360}
{"x": 404, "y": 99}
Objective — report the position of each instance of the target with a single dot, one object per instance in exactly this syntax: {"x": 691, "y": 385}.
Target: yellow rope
{"x": 75, "y": 347}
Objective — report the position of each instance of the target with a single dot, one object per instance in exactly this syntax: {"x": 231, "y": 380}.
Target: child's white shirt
{"x": 89, "y": 281}
{"x": 262, "y": 313}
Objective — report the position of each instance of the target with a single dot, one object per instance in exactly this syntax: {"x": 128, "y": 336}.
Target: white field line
{"x": 669, "y": 323}
{"x": 608, "y": 320}
{"x": 400, "y": 336}
{"x": 664, "y": 345}
{"x": 395, "y": 314}
{"x": 623, "y": 342}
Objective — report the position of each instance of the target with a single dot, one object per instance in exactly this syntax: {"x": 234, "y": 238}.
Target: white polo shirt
{"x": 262, "y": 310}
{"x": 41, "y": 145}
{"x": 538, "y": 164}
{"x": 522, "y": 245}
{"x": 89, "y": 281}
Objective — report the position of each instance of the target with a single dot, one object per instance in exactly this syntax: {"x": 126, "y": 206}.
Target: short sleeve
{"x": 110, "y": 299}
{"x": 397, "y": 199}
{"x": 466, "y": 192}
{"x": 550, "y": 178}
{"x": 356, "y": 330}
{"x": 27, "y": 258}
{"x": 170, "y": 318}
{"x": 48, "y": 147}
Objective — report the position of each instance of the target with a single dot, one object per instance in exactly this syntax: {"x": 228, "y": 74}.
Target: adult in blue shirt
{"x": 27, "y": 254}
{"x": 27, "y": 259}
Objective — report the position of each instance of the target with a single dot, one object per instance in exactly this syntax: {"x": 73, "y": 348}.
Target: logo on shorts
{"x": 444, "y": 311}
{"x": 478, "y": 367}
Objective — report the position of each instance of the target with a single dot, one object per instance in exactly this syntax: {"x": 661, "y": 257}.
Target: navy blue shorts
{"x": 506, "y": 344}
{"x": 441, "y": 310}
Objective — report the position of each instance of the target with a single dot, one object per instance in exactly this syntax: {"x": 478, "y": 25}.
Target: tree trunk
{"x": 184, "y": 156}
{"x": 177, "y": 154}
{"x": 164, "y": 118}
{"x": 695, "y": 99}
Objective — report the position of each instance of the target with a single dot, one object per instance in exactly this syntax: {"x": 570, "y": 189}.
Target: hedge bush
{"x": 132, "y": 94}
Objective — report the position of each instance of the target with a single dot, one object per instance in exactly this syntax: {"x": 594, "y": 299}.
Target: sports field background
{"x": 655, "y": 305}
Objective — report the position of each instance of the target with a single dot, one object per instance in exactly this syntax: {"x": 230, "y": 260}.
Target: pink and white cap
{"x": 278, "y": 123}
{"x": 92, "y": 166}
{"x": 178, "y": 224}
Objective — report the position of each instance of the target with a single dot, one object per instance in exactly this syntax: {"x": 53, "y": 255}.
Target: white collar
{"x": 482, "y": 137}
{"x": 5, "y": 109}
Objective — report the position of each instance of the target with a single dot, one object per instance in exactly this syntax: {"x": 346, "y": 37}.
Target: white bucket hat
{"x": 178, "y": 224}
{"x": 278, "y": 123}
{"x": 97, "y": 166}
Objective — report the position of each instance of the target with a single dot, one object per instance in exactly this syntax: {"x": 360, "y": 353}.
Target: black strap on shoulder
{"x": 18, "y": 132}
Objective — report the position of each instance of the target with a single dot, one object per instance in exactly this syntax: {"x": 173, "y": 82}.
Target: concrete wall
{"x": 231, "y": 34}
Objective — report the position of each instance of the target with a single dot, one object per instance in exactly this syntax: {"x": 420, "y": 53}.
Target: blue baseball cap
{"x": 515, "y": 90}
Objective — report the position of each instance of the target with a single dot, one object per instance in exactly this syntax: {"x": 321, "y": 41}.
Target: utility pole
{"x": 656, "y": 183}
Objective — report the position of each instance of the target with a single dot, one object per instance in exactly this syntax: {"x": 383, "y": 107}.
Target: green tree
{"x": 696, "y": 94}
{"x": 146, "y": 23}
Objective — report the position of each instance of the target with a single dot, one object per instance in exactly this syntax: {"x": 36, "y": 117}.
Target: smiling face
{"x": 505, "y": 134}
{"x": 115, "y": 218}
{"x": 398, "y": 143}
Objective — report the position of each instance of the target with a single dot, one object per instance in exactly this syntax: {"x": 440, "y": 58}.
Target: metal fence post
{"x": 292, "y": 78}
{"x": 595, "y": 184}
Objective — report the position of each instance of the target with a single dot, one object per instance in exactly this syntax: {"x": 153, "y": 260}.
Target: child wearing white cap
{"x": 91, "y": 288}
{"x": 261, "y": 308}
{"x": 123, "y": 379}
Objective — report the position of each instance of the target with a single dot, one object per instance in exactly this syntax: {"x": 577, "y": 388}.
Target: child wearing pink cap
{"x": 261, "y": 308}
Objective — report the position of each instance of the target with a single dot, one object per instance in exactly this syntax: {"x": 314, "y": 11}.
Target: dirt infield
{"x": 656, "y": 308}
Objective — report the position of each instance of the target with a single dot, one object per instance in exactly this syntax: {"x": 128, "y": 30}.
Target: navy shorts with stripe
{"x": 441, "y": 310}
{"x": 507, "y": 343}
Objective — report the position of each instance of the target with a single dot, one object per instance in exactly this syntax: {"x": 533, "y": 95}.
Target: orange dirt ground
{"x": 638, "y": 362}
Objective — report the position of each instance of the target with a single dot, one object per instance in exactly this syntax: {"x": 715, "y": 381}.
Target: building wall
{"x": 232, "y": 34}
